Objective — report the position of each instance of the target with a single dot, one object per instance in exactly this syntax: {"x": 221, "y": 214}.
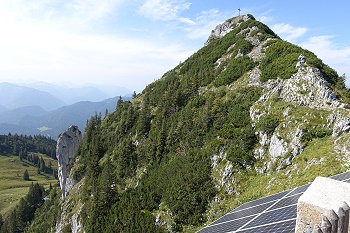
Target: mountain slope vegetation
{"x": 215, "y": 131}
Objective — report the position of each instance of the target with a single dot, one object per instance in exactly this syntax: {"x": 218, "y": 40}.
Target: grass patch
{"x": 12, "y": 185}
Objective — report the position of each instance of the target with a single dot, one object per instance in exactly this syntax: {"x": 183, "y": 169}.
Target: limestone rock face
{"x": 306, "y": 89}
{"x": 224, "y": 173}
{"x": 67, "y": 145}
{"x": 71, "y": 208}
{"x": 222, "y": 29}
{"x": 301, "y": 61}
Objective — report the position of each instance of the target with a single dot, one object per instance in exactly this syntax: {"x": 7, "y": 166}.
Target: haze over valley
{"x": 43, "y": 108}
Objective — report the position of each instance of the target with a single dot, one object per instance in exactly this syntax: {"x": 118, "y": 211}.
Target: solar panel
{"x": 261, "y": 201}
{"x": 300, "y": 190}
{"x": 242, "y": 213}
{"x": 290, "y": 200}
{"x": 287, "y": 226}
{"x": 275, "y": 213}
{"x": 285, "y": 213}
{"x": 341, "y": 176}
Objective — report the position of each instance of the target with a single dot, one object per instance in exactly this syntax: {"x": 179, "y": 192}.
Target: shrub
{"x": 26, "y": 175}
{"x": 268, "y": 124}
{"x": 317, "y": 132}
{"x": 235, "y": 69}
{"x": 281, "y": 58}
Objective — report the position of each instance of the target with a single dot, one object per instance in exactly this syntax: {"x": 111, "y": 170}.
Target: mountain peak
{"x": 222, "y": 29}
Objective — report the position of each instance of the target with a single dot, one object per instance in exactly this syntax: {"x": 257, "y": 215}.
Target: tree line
{"x": 21, "y": 145}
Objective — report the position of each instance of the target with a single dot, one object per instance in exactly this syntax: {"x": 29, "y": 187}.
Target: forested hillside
{"x": 191, "y": 145}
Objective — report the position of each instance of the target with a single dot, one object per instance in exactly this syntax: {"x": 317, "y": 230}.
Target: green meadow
{"x": 12, "y": 185}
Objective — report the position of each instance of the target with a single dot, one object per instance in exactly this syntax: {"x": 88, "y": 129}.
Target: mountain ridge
{"x": 71, "y": 95}
{"x": 14, "y": 96}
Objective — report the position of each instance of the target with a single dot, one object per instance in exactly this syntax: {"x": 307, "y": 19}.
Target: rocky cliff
{"x": 67, "y": 145}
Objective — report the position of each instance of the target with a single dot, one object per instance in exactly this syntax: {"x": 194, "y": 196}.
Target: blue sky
{"x": 131, "y": 43}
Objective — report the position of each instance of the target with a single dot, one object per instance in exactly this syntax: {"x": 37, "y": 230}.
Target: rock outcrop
{"x": 308, "y": 89}
{"x": 223, "y": 173}
{"x": 301, "y": 61}
{"x": 222, "y": 29}
{"x": 67, "y": 145}
{"x": 71, "y": 207}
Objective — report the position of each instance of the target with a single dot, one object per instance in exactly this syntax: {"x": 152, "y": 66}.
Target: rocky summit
{"x": 246, "y": 116}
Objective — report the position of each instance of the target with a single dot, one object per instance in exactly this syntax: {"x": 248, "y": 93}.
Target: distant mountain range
{"x": 49, "y": 109}
{"x": 71, "y": 95}
{"x": 15, "y": 96}
{"x": 33, "y": 120}
{"x": 2, "y": 108}
{"x": 50, "y": 96}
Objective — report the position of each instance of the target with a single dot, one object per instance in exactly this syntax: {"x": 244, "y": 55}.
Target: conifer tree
{"x": 42, "y": 164}
{"x": 26, "y": 175}
{"x": 1, "y": 221}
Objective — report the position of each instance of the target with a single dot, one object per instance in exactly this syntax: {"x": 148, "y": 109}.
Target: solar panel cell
{"x": 292, "y": 200}
{"x": 300, "y": 189}
{"x": 341, "y": 176}
{"x": 280, "y": 227}
{"x": 228, "y": 226}
{"x": 285, "y": 213}
{"x": 262, "y": 200}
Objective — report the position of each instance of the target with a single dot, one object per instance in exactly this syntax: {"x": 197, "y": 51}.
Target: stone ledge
{"x": 323, "y": 196}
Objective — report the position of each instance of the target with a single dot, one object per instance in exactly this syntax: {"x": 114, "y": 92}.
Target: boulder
{"x": 324, "y": 206}
{"x": 301, "y": 61}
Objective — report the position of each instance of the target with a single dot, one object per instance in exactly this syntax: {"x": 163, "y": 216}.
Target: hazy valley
{"x": 49, "y": 109}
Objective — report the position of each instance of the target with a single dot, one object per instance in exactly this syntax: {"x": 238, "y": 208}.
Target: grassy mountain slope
{"x": 20, "y": 154}
{"x": 12, "y": 185}
{"x": 232, "y": 123}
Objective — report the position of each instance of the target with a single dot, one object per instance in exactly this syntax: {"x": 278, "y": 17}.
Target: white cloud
{"x": 66, "y": 13}
{"x": 83, "y": 58}
{"x": 165, "y": 10}
{"x": 205, "y": 22}
{"x": 288, "y": 32}
{"x": 325, "y": 48}
{"x": 53, "y": 47}
{"x": 51, "y": 54}
{"x": 265, "y": 19}
{"x": 93, "y": 9}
